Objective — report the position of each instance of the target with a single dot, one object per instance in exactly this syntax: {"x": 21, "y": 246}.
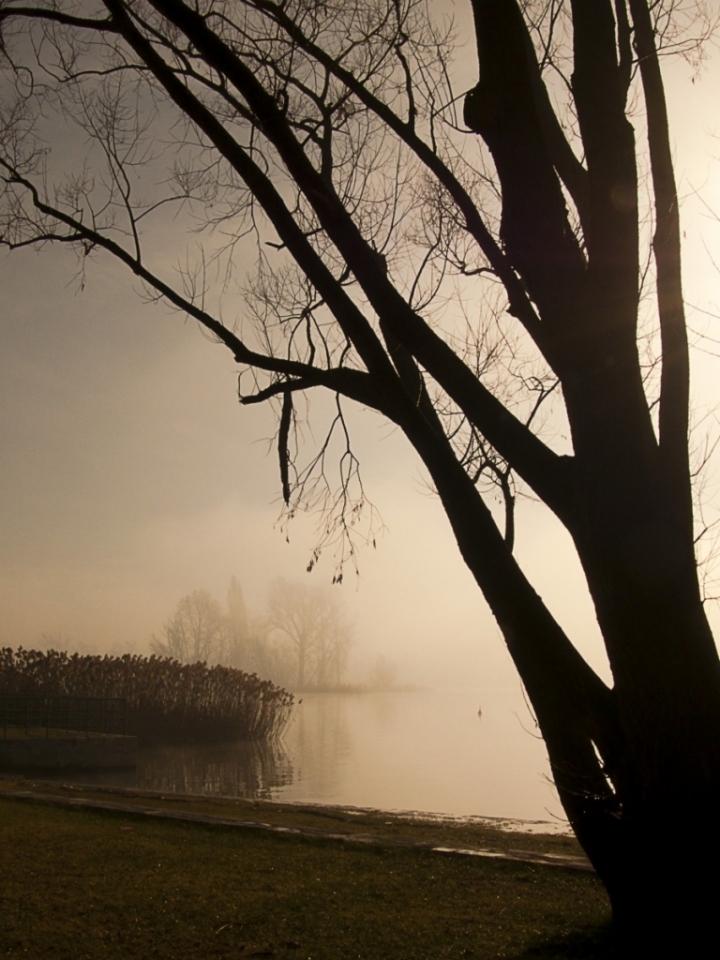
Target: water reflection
{"x": 246, "y": 769}
{"x": 425, "y": 750}
{"x": 321, "y": 745}
{"x": 255, "y": 770}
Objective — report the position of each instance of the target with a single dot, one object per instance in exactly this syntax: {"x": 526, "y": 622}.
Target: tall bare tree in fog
{"x": 451, "y": 273}
{"x": 197, "y": 631}
{"x": 314, "y": 634}
{"x": 236, "y": 609}
{"x": 250, "y": 645}
{"x": 240, "y": 638}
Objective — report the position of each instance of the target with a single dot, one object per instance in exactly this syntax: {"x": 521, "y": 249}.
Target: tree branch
{"x": 350, "y": 318}
{"x": 611, "y": 228}
{"x": 520, "y": 305}
{"x": 574, "y": 708}
{"x": 675, "y": 377}
{"x": 540, "y": 467}
{"x": 503, "y": 110}
{"x": 283, "y": 452}
{"x": 354, "y": 384}
{"x": 57, "y": 16}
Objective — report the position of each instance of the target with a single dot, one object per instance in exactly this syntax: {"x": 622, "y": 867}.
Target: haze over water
{"x": 423, "y": 750}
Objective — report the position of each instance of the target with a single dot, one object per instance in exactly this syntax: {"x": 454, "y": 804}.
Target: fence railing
{"x": 47, "y": 716}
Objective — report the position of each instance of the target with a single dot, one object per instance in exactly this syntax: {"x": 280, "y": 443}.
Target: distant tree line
{"x": 301, "y": 642}
{"x": 166, "y": 699}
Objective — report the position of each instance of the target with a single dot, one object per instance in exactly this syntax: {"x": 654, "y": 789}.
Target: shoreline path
{"x": 565, "y": 861}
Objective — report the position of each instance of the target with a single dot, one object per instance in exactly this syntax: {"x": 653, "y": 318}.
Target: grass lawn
{"x": 85, "y": 885}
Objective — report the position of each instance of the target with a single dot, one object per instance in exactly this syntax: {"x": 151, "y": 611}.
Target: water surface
{"x": 424, "y": 750}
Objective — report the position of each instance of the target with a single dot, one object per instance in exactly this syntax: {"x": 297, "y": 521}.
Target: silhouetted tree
{"x": 391, "y": 236}
{"x": 236, "y": 609}
{"x": 196, "y": 632}
{"x": 249, "y": 643}
{"x": 314, "y": 635}
{"x": 239, "y": 651}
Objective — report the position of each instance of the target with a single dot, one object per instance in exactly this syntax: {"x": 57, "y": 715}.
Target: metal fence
{"x": 49, "y": 716}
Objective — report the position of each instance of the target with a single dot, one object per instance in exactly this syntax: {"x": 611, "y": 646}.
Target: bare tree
{"x": 313, "y": 631}
{"x": 250, "y": 645}
{"x": 383, "y": 673}
{"x": 236, "y": 609}
{"x": 239, "y": 650}
{"x": 196, "y": 632}
{"x": 389, "y": 230}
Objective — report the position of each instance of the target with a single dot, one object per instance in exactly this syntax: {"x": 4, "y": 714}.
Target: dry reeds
{"x": 166, "y": 700}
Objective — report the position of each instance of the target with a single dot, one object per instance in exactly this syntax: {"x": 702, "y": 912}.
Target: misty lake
{"x": 422, "y": 750}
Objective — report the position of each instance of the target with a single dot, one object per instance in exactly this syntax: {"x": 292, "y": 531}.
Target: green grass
{"x": 85, "y": 884}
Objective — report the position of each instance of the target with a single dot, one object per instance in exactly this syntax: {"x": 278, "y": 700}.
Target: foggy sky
{"x": 131, "y": 476}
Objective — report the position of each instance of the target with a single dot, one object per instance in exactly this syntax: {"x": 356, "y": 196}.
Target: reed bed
{"x": 166, "y": 700}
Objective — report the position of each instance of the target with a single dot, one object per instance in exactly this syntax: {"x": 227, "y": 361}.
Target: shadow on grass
{"x": 595, "y": 944}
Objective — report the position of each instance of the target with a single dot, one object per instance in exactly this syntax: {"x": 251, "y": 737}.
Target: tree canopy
{"x": 301, "y": 642}
{"x": 196, "y": 632}
{"x": 453, "y": 260}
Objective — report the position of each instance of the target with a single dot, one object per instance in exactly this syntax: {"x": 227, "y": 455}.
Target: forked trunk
{"x": 661, "y": 873}
{"x": 637, "y": 767}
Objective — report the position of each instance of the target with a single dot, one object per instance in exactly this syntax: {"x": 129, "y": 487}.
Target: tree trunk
{"x": 663, "y": 889}
{"x": 635, "y": 766}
